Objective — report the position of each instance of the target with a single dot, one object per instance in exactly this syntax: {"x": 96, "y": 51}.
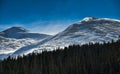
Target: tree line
{"x": 75, "y": 59}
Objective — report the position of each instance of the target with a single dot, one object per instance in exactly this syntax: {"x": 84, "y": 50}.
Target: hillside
{"x": 86, "y": 59}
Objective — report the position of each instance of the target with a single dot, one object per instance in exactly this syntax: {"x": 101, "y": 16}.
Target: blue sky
{"x": 53, "y": 16}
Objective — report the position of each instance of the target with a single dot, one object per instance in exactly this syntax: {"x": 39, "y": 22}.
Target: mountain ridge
{"x": 88, "y": 30}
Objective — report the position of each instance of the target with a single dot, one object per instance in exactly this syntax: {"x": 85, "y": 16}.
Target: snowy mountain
{"x": 14, "y": 38}
{"x": 90, "y": 29}
{"x": 20, "y": 33}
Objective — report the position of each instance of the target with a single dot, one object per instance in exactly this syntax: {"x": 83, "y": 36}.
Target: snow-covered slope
{"x": 90, "y": 29}
{"x": 10, "y": 45}
{"x": 12, "y": 39}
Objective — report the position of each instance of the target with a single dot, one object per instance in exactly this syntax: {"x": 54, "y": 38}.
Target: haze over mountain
{"x": 18, "y": 41}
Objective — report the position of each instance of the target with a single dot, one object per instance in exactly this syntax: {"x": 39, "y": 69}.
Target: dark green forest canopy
{"x": 86, "y": 59}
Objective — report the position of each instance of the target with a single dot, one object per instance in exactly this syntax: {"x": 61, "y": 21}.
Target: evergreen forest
{"x": 76, "y": 59}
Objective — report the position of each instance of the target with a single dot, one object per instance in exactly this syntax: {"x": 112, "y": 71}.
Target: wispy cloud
{"x": 49, "y": 27}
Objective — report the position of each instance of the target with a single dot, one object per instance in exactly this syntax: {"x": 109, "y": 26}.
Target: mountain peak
{"x": 91, "y": 24}
{"x": 89, "y": 18}
{"x": 15, "y": 29}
